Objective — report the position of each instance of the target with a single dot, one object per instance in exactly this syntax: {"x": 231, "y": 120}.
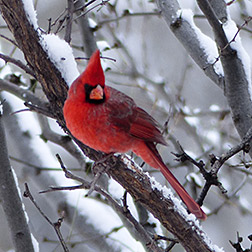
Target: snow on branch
{"x": 58, "y": 50}
{"x": 207, "y": 44}
{"x": 31, "y": 13}
{"x": 232, "y": 34}
{"x": 61, "y": 54}
{"x": 201, "y": 48}
{"x": 236, "y": 66}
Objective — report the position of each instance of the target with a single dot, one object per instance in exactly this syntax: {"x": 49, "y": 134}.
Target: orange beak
{"x": 97, "y": 93}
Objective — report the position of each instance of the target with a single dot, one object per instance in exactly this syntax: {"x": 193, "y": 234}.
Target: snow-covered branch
{"x": 11, "y": 199}
{"x": 200, "y": 47}
{"x": 234, "y": 73}
{"x": 236, "y": 67}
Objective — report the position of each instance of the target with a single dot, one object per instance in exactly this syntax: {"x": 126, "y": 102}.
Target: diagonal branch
{"x": 69, "y": 20}
{"x": 11, "y": 200}
{"x": 18, "y": 63}
{"x": 55, "y": 225}
{"x": 125, "y": 215}
{"x": 236, "y": 84}
{"x": 236, "y": 69}
{"x": 189, "y": 37}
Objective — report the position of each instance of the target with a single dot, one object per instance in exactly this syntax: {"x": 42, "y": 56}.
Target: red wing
{"x": 126, "y": 116}
{"x": 145, "y": 127}
{"x": 120, "y": 109}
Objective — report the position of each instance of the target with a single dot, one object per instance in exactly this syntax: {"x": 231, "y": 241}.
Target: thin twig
{"x": 39, "y": 168}
{"x": 129, "y": 14}
{"x": 24, "y": 94}
{"x": 85, "y": 6}
{"x": 69, "y": 20}
{"x": 8, "y": 39}
{"x": 50, "y": 25}
{"x": 55, "y": 225}
{"x": 218, "y": 163}
{"x": 43, "y": 110}
{"x": 246, "y": 21}
{"x": 210, "y": 177}
{"x": 240, "y": 27}
{"x": 244, "y": 145}
{"x": 183, "y": 156}
{"x": 99, "y": 168}
{"x": 118, "y": 208}
{"x": 63, "y": 140}
{"x": 87, "y": 58}
{"x": 18, "y": 63}
{"x": 68, "y": 174}
{"x": 103, "y": 2}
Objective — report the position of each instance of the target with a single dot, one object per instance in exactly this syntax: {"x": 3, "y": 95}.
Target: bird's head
{"x": 89, "y": 86}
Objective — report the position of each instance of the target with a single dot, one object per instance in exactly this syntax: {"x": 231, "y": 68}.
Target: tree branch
{"x": 128, "y": 220}
{"x": 237, "y": 84}
{"x": 55, "y": 225}
{"x": 18, "y": 63}
{"x": 24, "y": 94}
{"x": 69, "y": 20}
{"x": 11, "y": 201}
{"x": 86, "y": 32}
{"x": 188, "y": 37}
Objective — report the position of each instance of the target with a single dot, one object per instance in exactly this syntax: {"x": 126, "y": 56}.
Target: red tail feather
{"x": 192, "y": 206}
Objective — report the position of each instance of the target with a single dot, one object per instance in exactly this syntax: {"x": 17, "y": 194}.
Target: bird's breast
{"x": 90, "y": 124}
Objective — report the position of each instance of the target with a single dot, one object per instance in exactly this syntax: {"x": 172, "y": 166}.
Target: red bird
{"x": 107, "y": 120}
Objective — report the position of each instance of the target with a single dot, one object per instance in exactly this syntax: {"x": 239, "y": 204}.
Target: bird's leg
{"x": 99, "y": 168}
{"x": 102, "y": 163}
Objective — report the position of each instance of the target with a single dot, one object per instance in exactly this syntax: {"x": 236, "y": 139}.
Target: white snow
{"x": 58, "y": 50}
{"x": 92, "y": 23}
{"x": 31, "y": 13}
{"x": 115, "y": 189}
{"x": 214, "y": 108}
{"x": 19, "y": 193}
{"x": 193, "y": 121}
{"x": 206, "y": 43}
{"x": 35, "y": 243}
{"x": 127, "y": 159}
{"x": 245, "y": 203}
{"x": 212, "y": 246}
{"x": 169, "y": 195}
{"x": 61, "y": 54}
{"x": 2, "y": 63}
{"x": 190, "y": 218}
{"x": 195, "y": 177}
{"x": 16, "y": 182}
{"x": 29, "y": 123}
{"x": 213, "y": 136}
{"x": 102, "y": 216}
{"x": 102, "y": 45}
{"x": 231, "y": 29}
{"x": 1, "y": 108}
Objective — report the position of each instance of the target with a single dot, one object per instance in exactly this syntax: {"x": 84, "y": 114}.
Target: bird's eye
{"x": 88, "y": 88}
{"x": 94, "y": 94}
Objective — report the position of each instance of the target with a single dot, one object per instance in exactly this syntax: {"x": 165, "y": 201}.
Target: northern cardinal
{"x": 107, "y": 120}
